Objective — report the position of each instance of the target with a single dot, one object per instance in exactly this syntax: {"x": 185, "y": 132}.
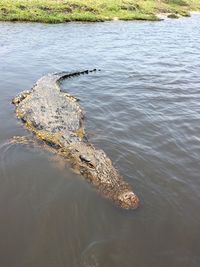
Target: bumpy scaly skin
{"x": 57, "y": 118}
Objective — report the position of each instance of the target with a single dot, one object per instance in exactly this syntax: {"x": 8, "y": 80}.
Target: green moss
{"x": 184, "y": 13}
{"x": 173, "y": 16}
{"x": 57, "y": 11}
{"x": 177, "y": 2}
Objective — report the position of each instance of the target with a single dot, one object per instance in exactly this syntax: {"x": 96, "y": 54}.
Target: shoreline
{"x": 63, "y": 11}
{"x": 160, "y": 17}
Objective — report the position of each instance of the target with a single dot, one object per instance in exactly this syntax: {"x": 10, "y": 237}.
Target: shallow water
{"x": 143, "y": 109}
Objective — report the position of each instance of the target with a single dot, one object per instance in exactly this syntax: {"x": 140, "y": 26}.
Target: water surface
{"x": 143, "y": 109}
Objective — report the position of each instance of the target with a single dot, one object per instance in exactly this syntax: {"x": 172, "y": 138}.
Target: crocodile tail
{"x": 65, "y": 75}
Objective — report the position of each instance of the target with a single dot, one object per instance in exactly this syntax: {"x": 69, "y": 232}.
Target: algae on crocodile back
{"x": 80, "y": 132}
{"x": 57, "y": 11}
{"x": 57, "y": 119}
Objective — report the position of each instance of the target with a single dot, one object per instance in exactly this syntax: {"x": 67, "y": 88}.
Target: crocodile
{"x": 56, "y": 117}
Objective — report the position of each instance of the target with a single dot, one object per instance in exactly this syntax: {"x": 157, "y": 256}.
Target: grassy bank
{"x": 56, "y": 11}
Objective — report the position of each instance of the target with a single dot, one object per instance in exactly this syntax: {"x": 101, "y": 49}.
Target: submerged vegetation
{"x": 57, "y": 11}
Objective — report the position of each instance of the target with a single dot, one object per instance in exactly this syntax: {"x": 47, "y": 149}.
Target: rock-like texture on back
{"x": 57, "y": 118}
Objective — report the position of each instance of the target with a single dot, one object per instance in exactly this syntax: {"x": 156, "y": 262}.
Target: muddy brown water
{"x": 143, "y": 109}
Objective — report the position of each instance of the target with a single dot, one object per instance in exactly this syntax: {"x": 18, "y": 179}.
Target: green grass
{"x": 57, "y": 11}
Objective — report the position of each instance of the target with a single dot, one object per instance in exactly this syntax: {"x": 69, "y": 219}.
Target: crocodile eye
{"x": 83, "y": 158}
